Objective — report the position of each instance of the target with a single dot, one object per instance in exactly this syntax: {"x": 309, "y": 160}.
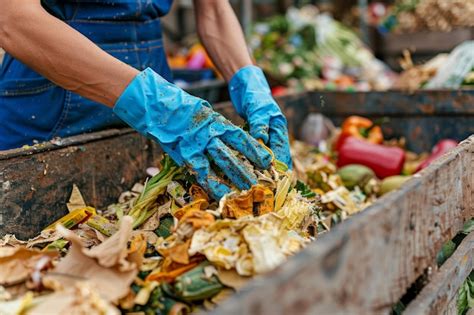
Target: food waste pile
{"x": 166, "y": 247}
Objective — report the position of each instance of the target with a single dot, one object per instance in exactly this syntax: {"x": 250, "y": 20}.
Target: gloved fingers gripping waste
{"x": 189, "y": 130}
{"x": 206, "y": 177}
{"x": 253, "y": 101}
{"x": 230, "y": 165}
{"x": 279, "y": 142}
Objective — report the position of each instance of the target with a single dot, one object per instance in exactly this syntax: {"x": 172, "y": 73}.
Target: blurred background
{"x": 336, "y": 45}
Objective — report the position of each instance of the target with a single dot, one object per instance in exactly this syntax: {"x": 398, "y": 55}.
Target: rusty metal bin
{"x": 362, "y": 266}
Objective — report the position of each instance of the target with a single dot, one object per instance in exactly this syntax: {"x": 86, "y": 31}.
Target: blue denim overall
{"x": 33, "y": 108}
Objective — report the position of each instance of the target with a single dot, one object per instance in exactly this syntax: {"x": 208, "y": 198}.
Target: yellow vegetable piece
{"x": 200, "y": 204}
{"x": 102, "y": 225}
{"x": 73, "y": 218}
{"x": 255, "y": 202}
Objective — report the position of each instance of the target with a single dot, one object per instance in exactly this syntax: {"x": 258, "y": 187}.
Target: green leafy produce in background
{"x": 309, "y": 50}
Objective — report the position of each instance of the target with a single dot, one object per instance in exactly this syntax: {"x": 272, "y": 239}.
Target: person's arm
{"x": 220, "y": 32}
{"x": 222, "y": 36}
{"x": 60, "y": 53}
{"x": 185, "y": 126}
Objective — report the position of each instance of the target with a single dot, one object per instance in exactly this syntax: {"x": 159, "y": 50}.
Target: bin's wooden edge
{"x": 64, "y": 142}
{"x": 364, "y": 265}
{"x": 35, "y": 184}
{"x": 441, "y": 293}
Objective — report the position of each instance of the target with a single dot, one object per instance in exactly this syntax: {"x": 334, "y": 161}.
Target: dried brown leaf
{"x": 113, "y": 251}
{"x": 76, "y": 300}
{"x": 10, "y": 240}
{"x": 106, "y": 269}
{"x": 17, "y": 263}
{"x": 76, "y": 201}
{"x": 46, "y": 236}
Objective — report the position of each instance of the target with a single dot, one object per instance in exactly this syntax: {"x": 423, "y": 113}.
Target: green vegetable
{"x": 166, "y": 224}
{"x": 194, "y": 285}
{"x": 398, "y": 308}
{"x": 391, "y": 183}
{"x": 161, "y": 304}
{"x": 304, "y": 189}
{"x": 145, "y": 205}
{"x": 102, "y": 224}
{"x": 58, "y": 245}
{"x": 468, "y": 227}
{"x": 466, "y": 295}
{"x": 355, "y": 175}
{"x": 446, "y": 251}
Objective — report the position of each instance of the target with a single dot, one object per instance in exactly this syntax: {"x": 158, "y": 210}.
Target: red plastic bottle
{"x": 383, "y": 160}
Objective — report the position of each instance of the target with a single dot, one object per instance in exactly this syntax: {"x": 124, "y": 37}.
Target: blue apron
{"x": 33, "y": 108}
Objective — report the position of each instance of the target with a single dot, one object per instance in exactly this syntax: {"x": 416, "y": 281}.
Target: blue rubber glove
{"x": 253, "y": 101}
{"x": 189, "y": 130}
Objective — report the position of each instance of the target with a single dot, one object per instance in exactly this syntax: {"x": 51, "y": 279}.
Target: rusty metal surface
{"x": 35, "y": 183}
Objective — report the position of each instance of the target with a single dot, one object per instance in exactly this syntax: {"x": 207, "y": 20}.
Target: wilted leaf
{"x": 264, "y": 247}
{"x": 143, "y": 295}
{"x": 170, "y": 274}
{"x": 200, "y": 204}
{"x": 76, "y": 300}
{"x": 76, "y": 201}
{"x": 10, "y": 240}
{"x": 17, "y": 263}
{"x": 113, "y": 251}
{"x": 177, "y": 253}
{"x": 47, "y": 236}
{"x": 101, "y": 224}
{"x": 257, "y": 201}
{"x": 106, "y": 269}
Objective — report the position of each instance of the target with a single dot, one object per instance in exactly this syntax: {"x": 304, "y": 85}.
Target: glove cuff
{"x": 131, "y": 106}
{"x": 249, "y": 79}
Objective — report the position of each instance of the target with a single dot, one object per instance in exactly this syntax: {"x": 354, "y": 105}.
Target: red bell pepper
{"x": 383, "y": 160}
{"x": 439, "y": 149}
{"x": 361, "y": 128}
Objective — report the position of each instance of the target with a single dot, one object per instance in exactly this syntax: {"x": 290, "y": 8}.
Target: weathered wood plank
{"x": 35, "y": 183}
{"x": 442, "y": 291}
{"x": 365, "y": 264}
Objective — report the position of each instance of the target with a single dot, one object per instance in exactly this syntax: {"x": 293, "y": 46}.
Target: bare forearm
{"x": 60, "y": 53}
{"x": 221, "y": 34}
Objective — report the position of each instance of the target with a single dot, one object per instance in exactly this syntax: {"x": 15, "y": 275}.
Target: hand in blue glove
{"x": 189, "y": 130}
{"x": 253, "y": 101}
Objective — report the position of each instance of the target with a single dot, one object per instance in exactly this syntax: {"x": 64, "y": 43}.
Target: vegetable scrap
{"x": 450, "y": 71}
{"x": 407, "y": 16}
{"x": 166, "y": 247}
{"x": 306, "y": 50}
